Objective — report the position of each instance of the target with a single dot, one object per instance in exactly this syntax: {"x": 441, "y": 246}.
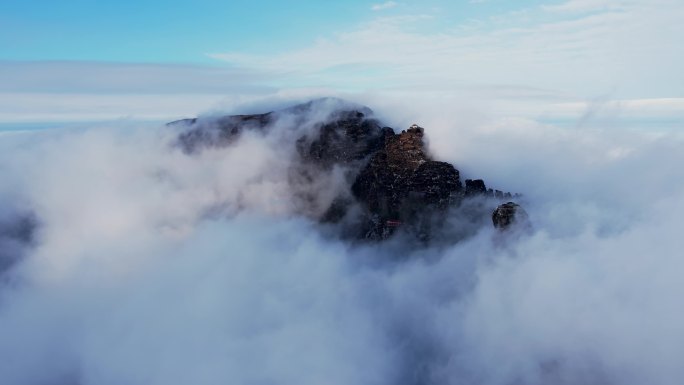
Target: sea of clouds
{"x": 141, "y": 264}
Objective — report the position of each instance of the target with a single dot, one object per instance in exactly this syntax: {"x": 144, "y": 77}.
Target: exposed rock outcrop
{"x": 475, "y": 187}
{"x": 218, "y": 132}
{"x": 394, "y": 184}
{"x": 508, "y": 215}
{"x": 401, "y": 181}
{"x": 350, "y": 136}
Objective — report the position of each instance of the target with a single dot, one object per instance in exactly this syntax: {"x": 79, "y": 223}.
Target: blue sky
{"x": 154, "y": 31}
{"x": 83, "y": 59}
{"x": 186, "y": 31}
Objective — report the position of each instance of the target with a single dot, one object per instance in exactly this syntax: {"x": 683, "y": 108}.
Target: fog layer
{"x": 142, "y": 264}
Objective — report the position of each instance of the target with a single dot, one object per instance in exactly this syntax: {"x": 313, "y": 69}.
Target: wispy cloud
{"x": 68, "y": 91}
{"x": 139, "y": 78}
{"x": 22, "y": 107}
{"x": 596, "y": 53}
{"x": 585, "y": 5}
{"x": 384, "y": 6}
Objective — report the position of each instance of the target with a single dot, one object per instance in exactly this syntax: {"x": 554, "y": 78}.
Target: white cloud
{"x": 132, "y": 282}
{"x": 58, "y": 91}
{"x": 593, "y": 54}
{"x": 53, "y": 107}
{"x": 384, "y": 6}
{"x": 587, "y": 5}
{"x": 575, "y": 58}
{"x": 131, "y": 78}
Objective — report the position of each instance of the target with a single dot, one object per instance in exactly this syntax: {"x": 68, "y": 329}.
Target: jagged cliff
{"x": 394, "y": 184}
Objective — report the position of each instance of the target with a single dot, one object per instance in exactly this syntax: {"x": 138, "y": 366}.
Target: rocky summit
{"x": 392, "y": 183}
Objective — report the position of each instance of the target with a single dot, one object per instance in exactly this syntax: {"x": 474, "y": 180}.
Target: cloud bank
{"x": 150, "y": 266}
{"x": 580, "y": 47}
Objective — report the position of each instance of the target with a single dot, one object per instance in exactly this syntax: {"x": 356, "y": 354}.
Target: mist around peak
{"x": 128, "y": 259}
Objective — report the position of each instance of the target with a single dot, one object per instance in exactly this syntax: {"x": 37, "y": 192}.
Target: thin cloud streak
{"x": 139, "y": 78}
{"x": 384, "y": 6}
{"x": 52, "y": 108}
{"x": 587, "y": 5}
{"x": 595, "y": 53}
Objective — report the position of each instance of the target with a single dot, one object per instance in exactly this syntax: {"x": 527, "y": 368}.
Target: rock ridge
{"x": 394, "y": 184}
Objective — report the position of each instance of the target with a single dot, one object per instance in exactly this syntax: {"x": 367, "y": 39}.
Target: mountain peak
{"x": 392, "y": 183}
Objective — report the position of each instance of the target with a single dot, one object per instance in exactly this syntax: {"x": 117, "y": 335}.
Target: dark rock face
{"x": 437, "y": 183}
{"x": 393, "y": 182}
{"x": 474, "y": 187}
{"x": 509, "y": 214}
{"x": 218, "y": 132}
{"x": 350, "y": 137}
{"x": 400, "y": 182}
{"x": 346, "y": 134}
